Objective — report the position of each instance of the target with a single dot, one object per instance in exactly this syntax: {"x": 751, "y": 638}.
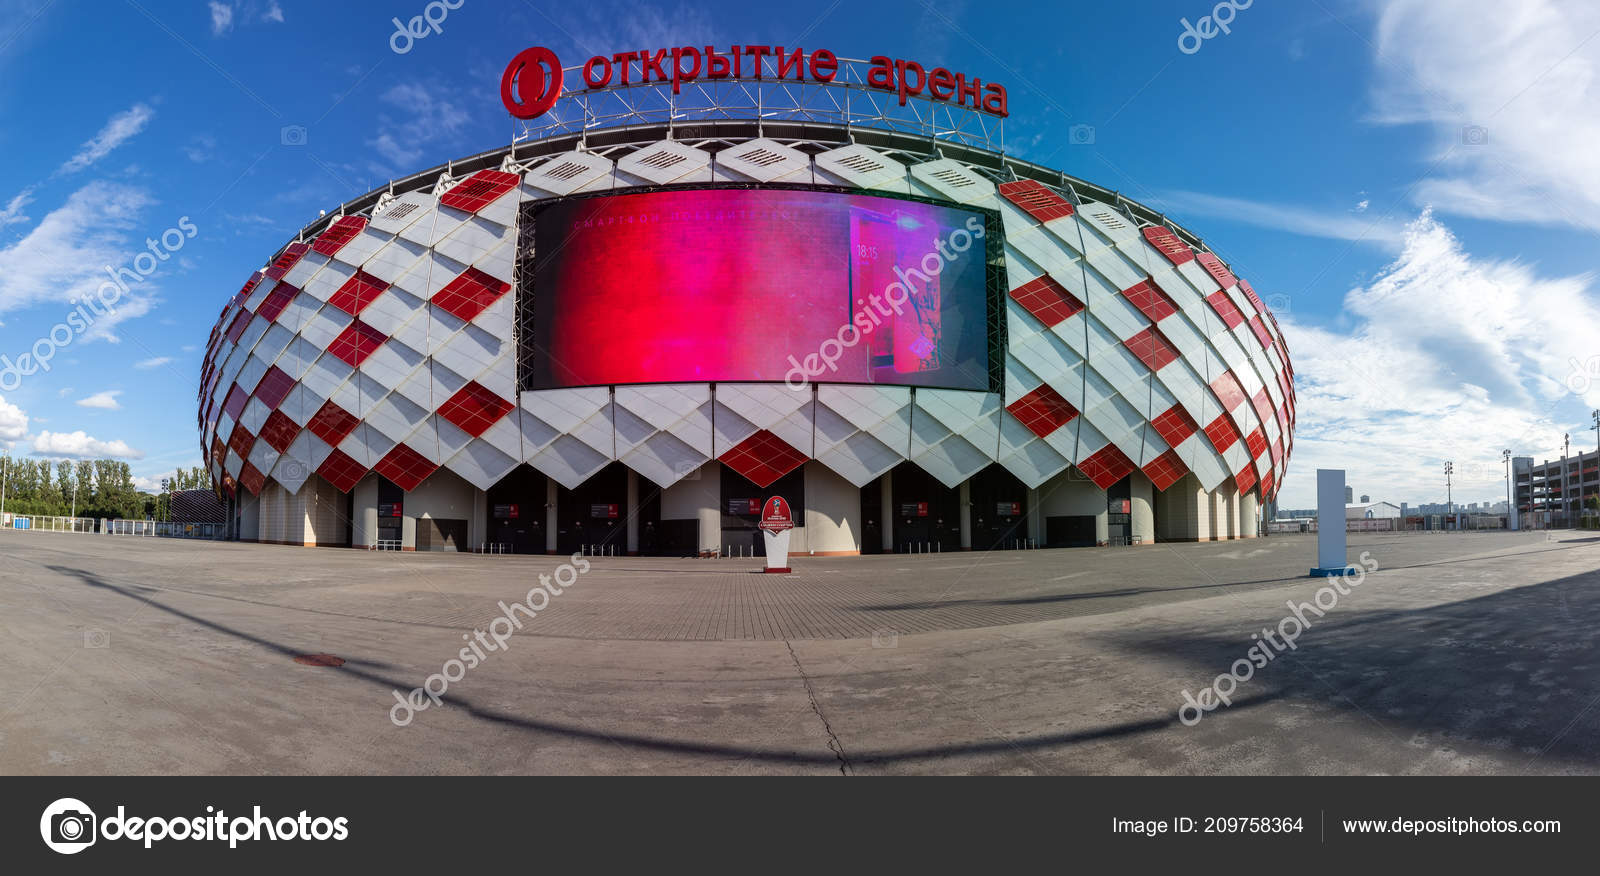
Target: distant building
{"x": 1366, "y": 500}
{"x": 1552, "y": 493}
{"x": 1349, "y": 496}
{"x": 1371, "y": 510}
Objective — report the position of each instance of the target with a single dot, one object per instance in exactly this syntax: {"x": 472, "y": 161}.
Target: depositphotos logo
{"x": 69, "y": 826}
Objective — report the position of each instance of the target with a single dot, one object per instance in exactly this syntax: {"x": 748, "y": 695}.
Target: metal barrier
{"x": 598, "y": 550}
{"x": 38, "y": 523}
{"x": 493, "y": 547}
{"x": 386, "y": 544}
{"x": 167, "y": 529}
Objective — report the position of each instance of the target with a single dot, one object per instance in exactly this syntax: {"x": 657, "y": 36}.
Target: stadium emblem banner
{"x": 776, "y": 521}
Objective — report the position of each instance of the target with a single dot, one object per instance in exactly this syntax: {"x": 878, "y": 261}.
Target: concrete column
{"x": 1035, "y": 516}
{"x": 478, "y": 523}
{"x": 710, "y": 507}
{"x": 550, "y": 488}
{"x": 886, "y": 510}
{"x": 633, "y": 513}
{"x": 1248, "y": 509}
{"x": 832, "y": 522}
{"x": 1142, "y": 520}
{"x": 364, "y": 513}
{"x": 250, "y": 514}
{"x": 966, "y": 514}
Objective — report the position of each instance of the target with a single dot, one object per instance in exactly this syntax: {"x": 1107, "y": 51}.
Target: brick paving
{"x": 662, "y": 599}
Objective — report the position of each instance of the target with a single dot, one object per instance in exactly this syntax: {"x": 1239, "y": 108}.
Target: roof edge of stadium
{"x": 714, "y": 129}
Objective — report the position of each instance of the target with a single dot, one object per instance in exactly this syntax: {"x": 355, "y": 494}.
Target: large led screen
{"x": 782, "y": 285}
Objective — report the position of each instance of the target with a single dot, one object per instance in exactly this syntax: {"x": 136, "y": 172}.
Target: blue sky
{"x": 1412, "y": 185}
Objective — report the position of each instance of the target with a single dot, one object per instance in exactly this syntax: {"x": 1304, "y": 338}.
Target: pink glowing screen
{"x": 756, "y": 285}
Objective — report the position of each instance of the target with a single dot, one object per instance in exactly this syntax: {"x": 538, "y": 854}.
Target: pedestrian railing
{"x": 45, "y": 523}
{"x": 167, "y": 529}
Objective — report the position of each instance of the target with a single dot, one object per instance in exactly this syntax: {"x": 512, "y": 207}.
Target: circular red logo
{"x": 539, "y": 67}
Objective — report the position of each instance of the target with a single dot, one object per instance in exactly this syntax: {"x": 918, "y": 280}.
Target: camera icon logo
{"x": 68, "y": 826}
{"x": 687, "y": 469}
{"x": 294, "y": 469}
{"x": 1474, "y": 135}
{"x": 1081, "y": 135}
{"x": 885, "y": 637}
{"x": 96, "y": 639}
{"x": 292, "y": 135}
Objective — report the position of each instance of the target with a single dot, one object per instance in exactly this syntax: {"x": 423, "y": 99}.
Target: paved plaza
{"x": 1462, "y": 653}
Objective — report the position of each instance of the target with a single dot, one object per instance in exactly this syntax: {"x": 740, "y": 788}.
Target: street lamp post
{"x": 1449, "y": 500}
{"x": 1566, "y": 490}
{"x": 1505, "y": 455}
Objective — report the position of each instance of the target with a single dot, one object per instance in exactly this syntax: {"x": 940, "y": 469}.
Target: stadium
{"x": 664, "y": 302}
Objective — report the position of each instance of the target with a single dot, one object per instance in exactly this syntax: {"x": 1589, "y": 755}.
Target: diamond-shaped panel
{"x": 763, "y": 458}
{"x": 1043, "y": 410}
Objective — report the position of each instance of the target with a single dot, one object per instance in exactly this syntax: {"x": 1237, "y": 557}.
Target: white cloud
{"x": 274, "y": 13}
{"x": 104, "y": 400}
{"x": 1452, "y": 358}
{"x": 1380, "y": 231}
{"x": 221, "y": 18}
{"x": 13, "y": 422}
{"x": 12, "y": 213}
{"x": 1362, "y": 205}
{"x": 122, "y": 127}
{"x": 64, "y": 256}
{"x": 77, "y": 445}
{"x": 1526, "y": 74}
{"x": 153, "y": 362}
{"x": 201, "y": 148}
{"x": 432, "y": 117}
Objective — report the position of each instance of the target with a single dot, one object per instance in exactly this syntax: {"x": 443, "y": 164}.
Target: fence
{"x": 38, "y": 523}
{"x": 166, "y": 529}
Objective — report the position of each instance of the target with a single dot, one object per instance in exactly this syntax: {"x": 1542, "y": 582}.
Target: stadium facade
{"x": 625, "y": 337}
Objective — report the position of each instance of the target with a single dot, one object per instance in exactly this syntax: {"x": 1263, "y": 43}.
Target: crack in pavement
{"x": 833, "y": 739}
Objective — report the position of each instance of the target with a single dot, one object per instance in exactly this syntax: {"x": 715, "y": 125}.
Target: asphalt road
{"x": 1469, "y": 653}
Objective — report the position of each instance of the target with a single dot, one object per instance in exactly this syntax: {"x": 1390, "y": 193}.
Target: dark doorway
{"x": 1119, "y": 516}
{"x": 593, "y": 518}
{"x": 927, "y": 514}
{"x": 999, "y": 510}
{"x": 517, "y": 513}
{"x": 872, "y": 517}
{"x": 1069, "y": 531}
{"x": 655, "y": 538}
{"x": 741, "y": 509}
{"x": 391, "y": 511}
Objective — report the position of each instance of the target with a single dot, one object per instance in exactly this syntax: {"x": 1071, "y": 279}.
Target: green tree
{"x": 84, "y": 483}
{"x": 65, "y": 485}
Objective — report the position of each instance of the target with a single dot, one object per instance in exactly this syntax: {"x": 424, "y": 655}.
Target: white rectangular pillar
{"x": 1332, "y": 556}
